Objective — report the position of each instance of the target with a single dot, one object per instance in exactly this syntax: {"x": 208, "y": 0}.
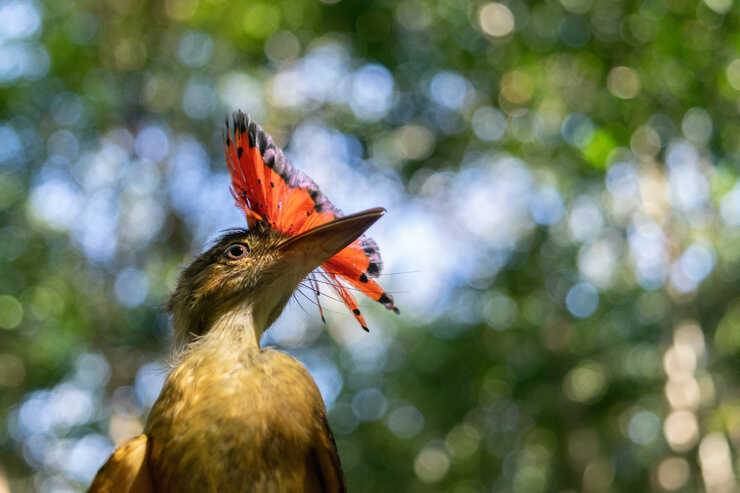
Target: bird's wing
{"x": 127, "y": 470}
{"x": 329, "y": 469}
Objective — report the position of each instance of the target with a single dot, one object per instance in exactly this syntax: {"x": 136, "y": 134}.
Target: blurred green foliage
{"x": 519, "y": 384}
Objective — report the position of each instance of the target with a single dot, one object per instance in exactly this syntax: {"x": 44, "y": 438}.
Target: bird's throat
{"x": 238, "y": 327}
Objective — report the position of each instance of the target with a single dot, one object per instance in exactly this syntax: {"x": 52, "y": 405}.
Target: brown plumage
{"x": 233, "y": 417}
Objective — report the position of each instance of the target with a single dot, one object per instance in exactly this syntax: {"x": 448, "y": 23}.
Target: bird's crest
{"x": 272, "y": 192}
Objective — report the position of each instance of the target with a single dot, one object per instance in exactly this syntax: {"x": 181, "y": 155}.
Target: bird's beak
{"x": 314, "y": 247}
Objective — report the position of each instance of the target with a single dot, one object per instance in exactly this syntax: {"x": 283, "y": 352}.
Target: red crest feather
{"x": 270, "y": 190}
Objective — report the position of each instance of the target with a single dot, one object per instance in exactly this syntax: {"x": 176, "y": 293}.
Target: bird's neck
{"x": 239, "y": 326}
{"x": 237, "y": 330}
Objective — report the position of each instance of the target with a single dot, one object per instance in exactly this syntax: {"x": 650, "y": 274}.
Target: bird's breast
{"x": 234, "y": 419}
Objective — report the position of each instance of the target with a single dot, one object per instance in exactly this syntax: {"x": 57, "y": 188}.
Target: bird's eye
{"x": 237, "y": 250}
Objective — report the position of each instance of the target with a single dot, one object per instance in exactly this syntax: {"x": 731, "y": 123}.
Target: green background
{"x": 563, "y": 173}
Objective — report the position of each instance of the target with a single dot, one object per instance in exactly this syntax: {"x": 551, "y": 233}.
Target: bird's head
{"x": 256, "y": 270}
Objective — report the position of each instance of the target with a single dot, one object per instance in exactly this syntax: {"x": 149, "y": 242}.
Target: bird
{"x": 233, "y": 416}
